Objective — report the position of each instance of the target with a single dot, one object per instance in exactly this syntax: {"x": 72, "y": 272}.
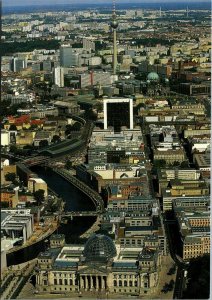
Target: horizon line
{"x": 108, "y": 2}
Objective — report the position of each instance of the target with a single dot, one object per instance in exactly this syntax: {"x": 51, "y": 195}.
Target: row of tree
{"x": 198, "y": 286}
{"x": 28, "y": 46}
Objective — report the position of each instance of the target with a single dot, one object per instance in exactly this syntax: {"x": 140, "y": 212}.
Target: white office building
{"x": 59, "y": 76}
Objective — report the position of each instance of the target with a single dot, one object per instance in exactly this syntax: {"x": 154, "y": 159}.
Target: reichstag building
{"x": 99, "y": 266}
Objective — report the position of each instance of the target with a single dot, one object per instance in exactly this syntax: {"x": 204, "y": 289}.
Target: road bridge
{"x": 80, "y": 214}
{"x": 93, "y": 195}
{"x": 37, "y": 160}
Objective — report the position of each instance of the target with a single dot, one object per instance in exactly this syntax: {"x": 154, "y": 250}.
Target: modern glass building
{"x": 118, "y": 112}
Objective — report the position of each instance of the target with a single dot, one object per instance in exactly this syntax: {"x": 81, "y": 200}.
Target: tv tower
{"x": 160, "y": 12}
{"x": 187, "y": 12}
{"x": 114, "y": 25}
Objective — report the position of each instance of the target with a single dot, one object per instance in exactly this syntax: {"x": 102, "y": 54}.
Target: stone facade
{"x": 72, "y": 270}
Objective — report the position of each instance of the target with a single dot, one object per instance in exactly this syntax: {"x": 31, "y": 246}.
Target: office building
{"x": 118, "y": 112}
{"x": 88, "y": 44}
{"x": 59, "y": 76}
{"x": 18, "y": 64}
{"x": 94, "y": 78}
{"x": 68, "y": 57}
{"x": 17, "y": 223}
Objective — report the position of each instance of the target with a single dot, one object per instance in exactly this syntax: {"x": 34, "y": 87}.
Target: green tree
{"x": 4, "y": 204}
{"x": 10, "y": 177}
{"x": 13, "y": 149}
{"x": 90, "y": 114}
{"x": 33, "y": 126}
{"x": 68, "y": 129}
{"x": 176, "y": 163}
{"x": 76, "y": 126}
{"x": 13, "y": 127}
{"x": 184, "y": 164}
{"x": 39, "y": 196}
{"x": 198, "y": 286}
{"x": 99, "y": 106}
{"x": 159, "y": 163}
{"x": 56, "y": 139}
{"x": 68, "y": 165}
{"x": 43, "y": 143}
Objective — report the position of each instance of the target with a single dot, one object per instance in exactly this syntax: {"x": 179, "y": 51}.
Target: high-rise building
{"x": 118, "y": 112}
{"x": 93, "y": 78}
{"x": 88, "y": 44}
{"x": 18, "y": 64}
{"x": 47, "y": 65}
{"x": 59, "y": 76}
{"x": 68, "y": 57}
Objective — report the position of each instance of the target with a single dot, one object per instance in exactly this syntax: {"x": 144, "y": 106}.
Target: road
{"x": 181, "y": 265}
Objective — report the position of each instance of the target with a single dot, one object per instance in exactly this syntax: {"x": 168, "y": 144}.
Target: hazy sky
{"x": 47, "y": 2}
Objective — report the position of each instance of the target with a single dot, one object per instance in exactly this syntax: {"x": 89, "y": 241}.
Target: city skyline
{"x": 105, "y": 136}
{"x": 65, "y": 2}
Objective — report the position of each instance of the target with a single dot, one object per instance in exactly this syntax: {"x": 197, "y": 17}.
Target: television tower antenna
{"x": 114, "y": 25}
{"x": 114, "y": 8}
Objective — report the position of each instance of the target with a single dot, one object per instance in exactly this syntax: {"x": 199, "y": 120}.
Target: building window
{"x": 55, "y": 281}
{"x": 65, "y": 281}
{"x": 125, "y": 283}
{"x": 60, "y": 282}
{"x": 120, "y": 283}
{"x": 115, "y": 283}
{"x": 130, "y": 283}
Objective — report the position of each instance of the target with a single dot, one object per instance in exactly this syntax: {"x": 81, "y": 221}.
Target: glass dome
{"x": 153, "y": 76}
{"x": 99, "y": 247}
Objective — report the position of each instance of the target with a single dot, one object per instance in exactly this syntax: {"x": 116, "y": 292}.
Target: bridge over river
{"x": 83, "y": 213}
{"x": 93, "y": 195}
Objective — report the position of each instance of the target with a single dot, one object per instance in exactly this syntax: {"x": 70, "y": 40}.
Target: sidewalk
{"x": 166, "y": 264}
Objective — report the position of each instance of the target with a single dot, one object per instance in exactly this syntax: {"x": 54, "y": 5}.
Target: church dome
{"x": 153, "y": 76}
{"x": 99, "y": 247}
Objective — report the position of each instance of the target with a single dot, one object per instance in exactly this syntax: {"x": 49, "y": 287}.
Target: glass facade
{"x": 118, "y": 114}
{"x": 99, "y": 247}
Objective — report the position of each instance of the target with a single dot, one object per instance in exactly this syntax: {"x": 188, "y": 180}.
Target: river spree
{"x": 74, "y": 200}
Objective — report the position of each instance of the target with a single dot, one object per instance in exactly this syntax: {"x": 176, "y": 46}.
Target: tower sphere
{"x": 114, "y": 24}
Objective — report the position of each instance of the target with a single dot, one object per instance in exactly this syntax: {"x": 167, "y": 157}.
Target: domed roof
{"x": 99, "y": 247}
{"x": 153, "y": 76}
